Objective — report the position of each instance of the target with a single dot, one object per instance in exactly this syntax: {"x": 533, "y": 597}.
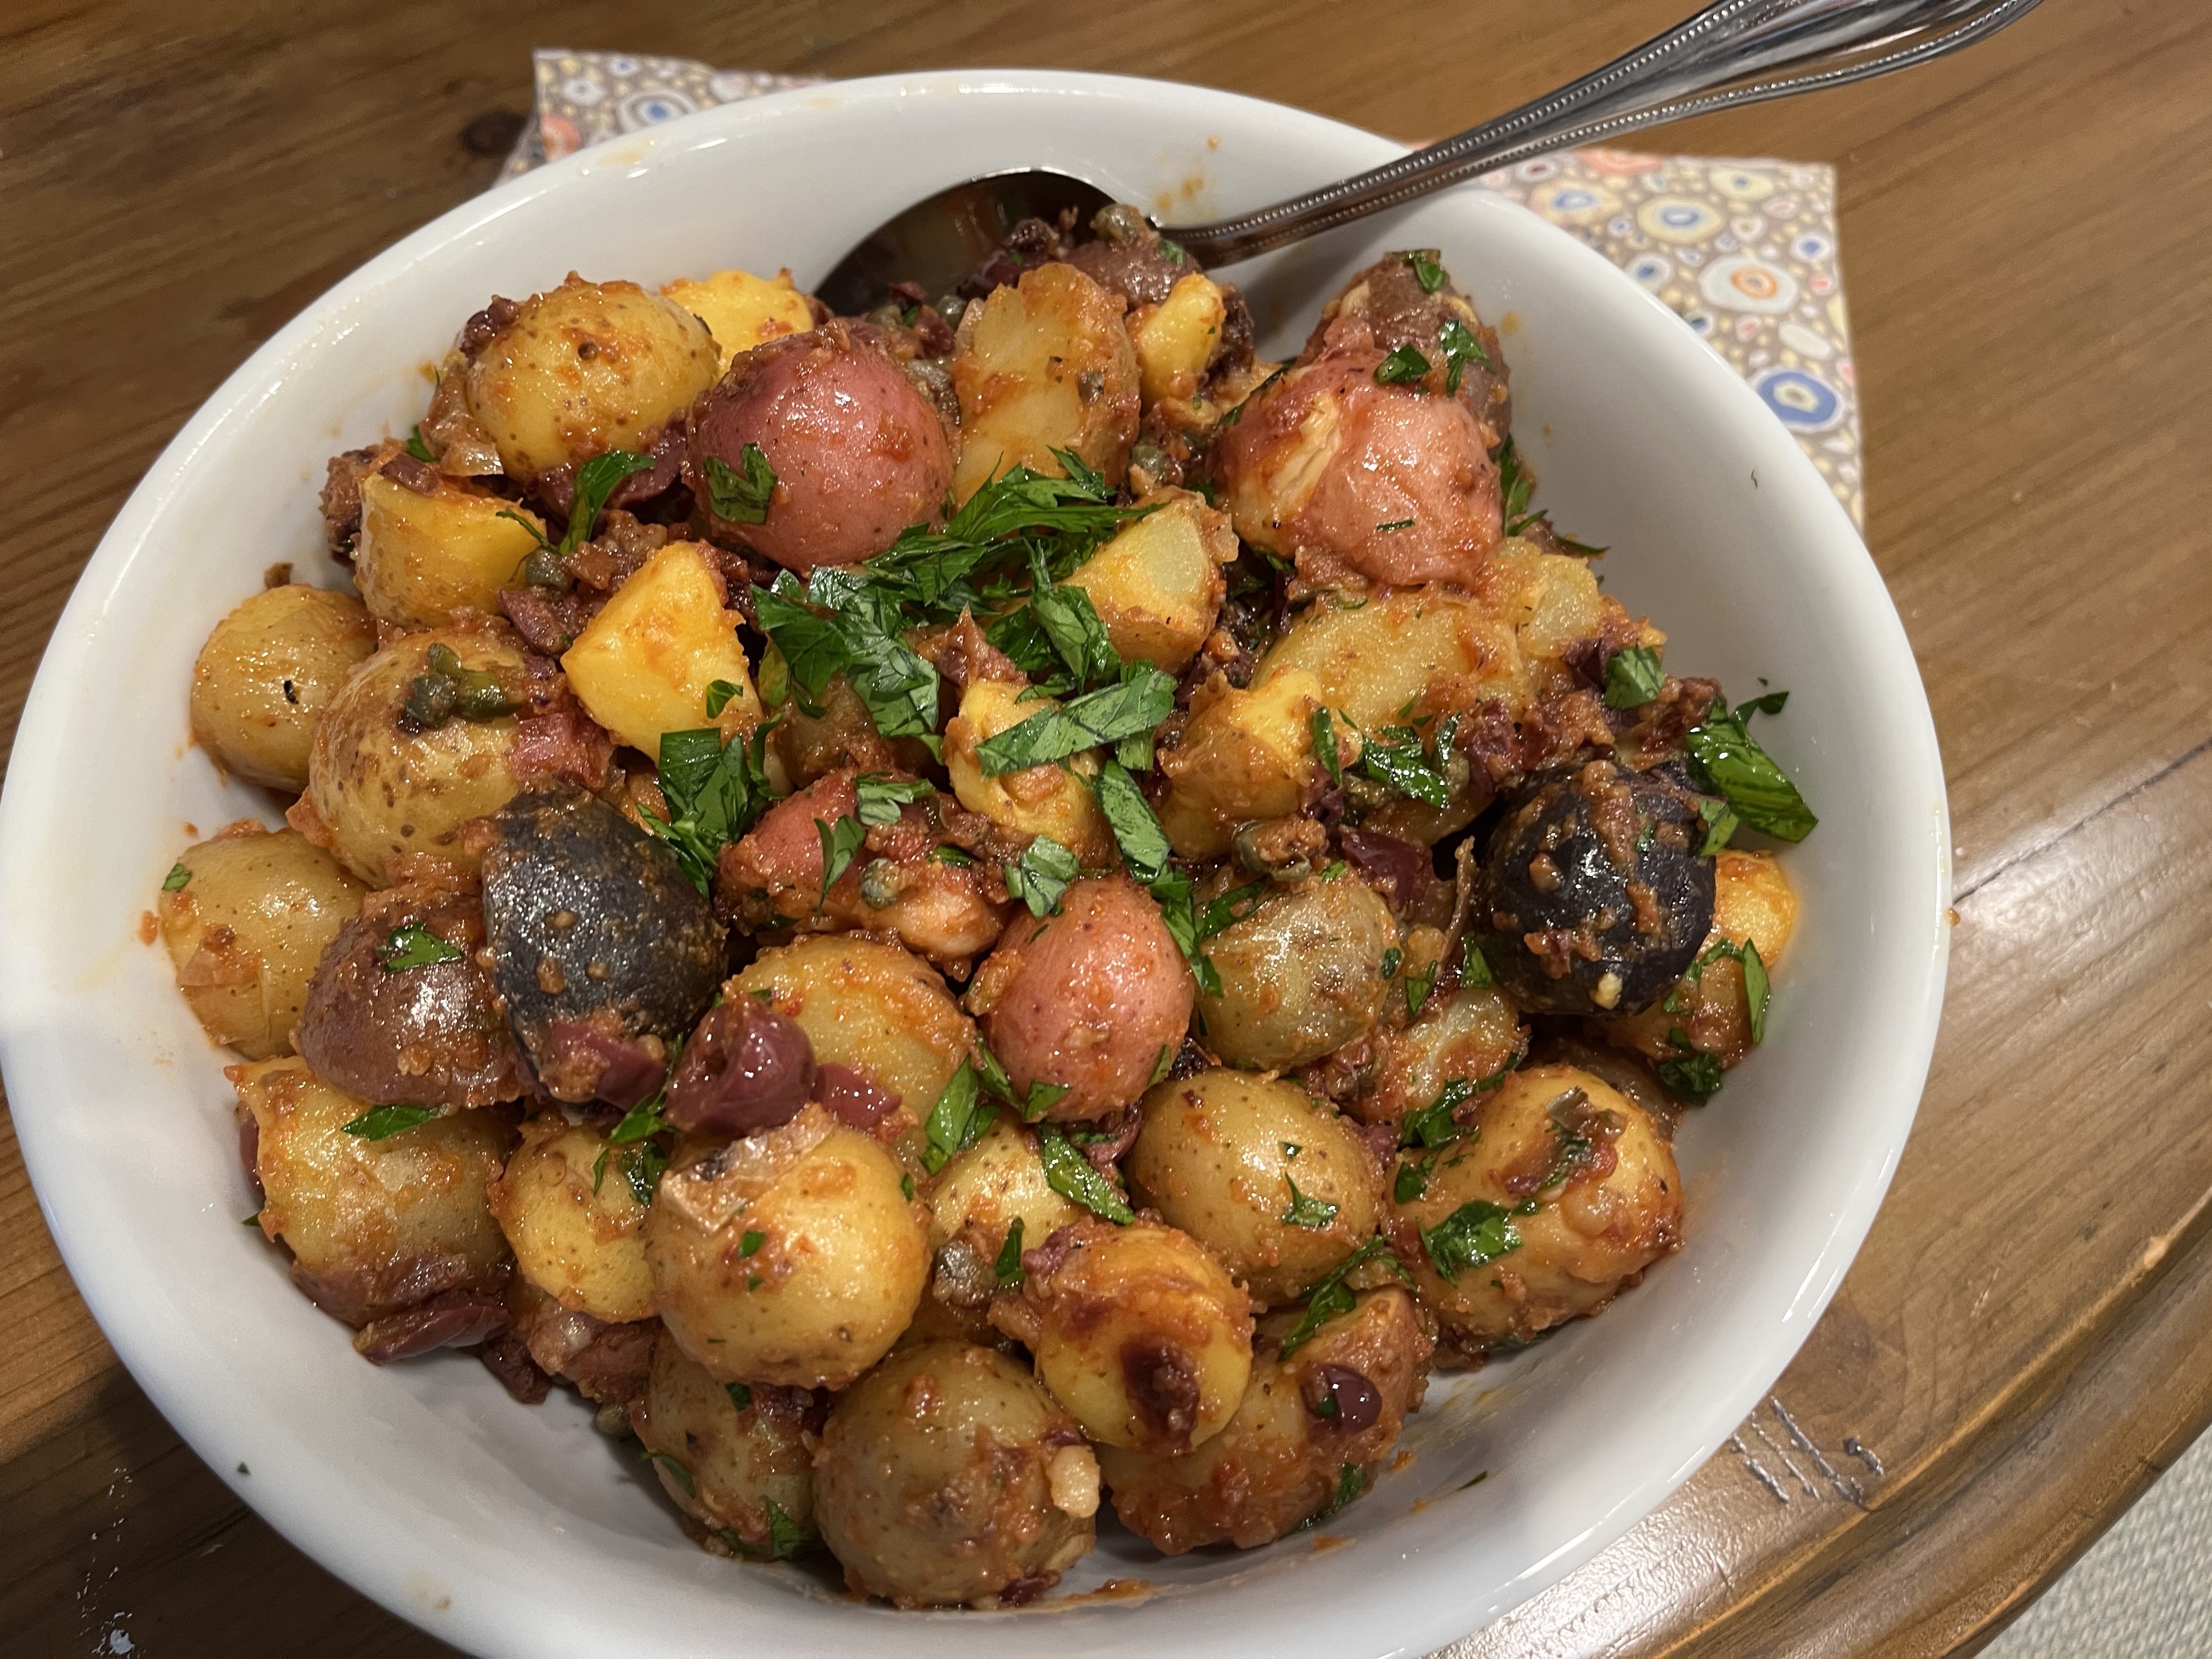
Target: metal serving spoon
{"x": 1738, "y": 51}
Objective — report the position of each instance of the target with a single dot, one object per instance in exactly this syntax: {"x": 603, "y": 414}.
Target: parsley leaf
{"x": 1434, "y": 1124}
{"x": 1140, "y": 701}
{"x": 1632, "y": 677}
{"x": 382, "y": 1123}
{"x": 675, "y": 1469}
{"x": 1058, "y": 641}
{"x": 595, "y": 481}
{"x": 417, "y": 448}
{"x": 1746, "y": 777}
{"x": 1404, "y": 364}
{"x": 1461, "y": 347}
{"x": 1756, "y": 987}
{"x": 1324, "y": 746}
{"x": 1474, "y": 973}
{"x": 1333, "y": 1296}
{"x": 740, "y": 493}
{"x": 1071, "y": 1175}
{"x": 1515, "y": 482}
{"x": 415, "y": 945}
{"x": 1395, "y": 524}
{"x": 1412, "y": 1178}
{"x": 1720, "y": 823}
{"x": 1478, "y": 1232}
{"x": 840, "y": 841}
{"x": 646, "y": 1119}
{"x": 1136, "y": 828}
{"x": 879, "y": 797}
{"x": 785, "y": 1536}
{"x": 1396, "y": 757}
{"x": 1418, "y": 984}
{"x": 1041, "y": 875}
{"x": 718, "y": 693}
{"x": 1694, "y": 1077}
{"x": 714, "y": 792}
{"x": 1427, "y": 271}
{"x": 1007, "y": 1271}
{"x": 860, "y": 638}
{"x": 1314, "y": 1212}
{"x": 1770, "y": 703}
{"x": 174, "y": 882}
{"x": 956, "y": 1121}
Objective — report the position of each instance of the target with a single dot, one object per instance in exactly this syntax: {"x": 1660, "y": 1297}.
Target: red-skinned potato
{"x": 858, "y": 454}
{"x": 1092, "y": 999}
{"x": 1344, "y": 474}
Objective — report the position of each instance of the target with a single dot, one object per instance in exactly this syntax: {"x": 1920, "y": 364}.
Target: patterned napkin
{"x": 1743, "y": 251}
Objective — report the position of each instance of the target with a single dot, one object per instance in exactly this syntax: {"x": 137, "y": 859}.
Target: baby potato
{"x": 856, "y": 452}
{"x": 1176, "y": 339}
{"x": 946, "y": 1478}
{"x": 1471, "y": 1036}
{"x": 1377, "y": 663}
{"x": 246, "y": 927}
{"x": 1565, "y": 1191}
{"x": 1093, "y": 1000}
{"x": 1054, "y": 799}
{"x": 1138, "y": 1330}
{"x": 793, "y": 1256}
{"x": 1301, "y": 975}
{"x": 867, "y": 1006}
{"x": 1156, "y": 584}
{"x": 1753, "y": 903}
{"x": 1245, "y": 755}
{"x": 1552, "y": 598}
{"x": 642, "y": 665}
{"x": 1042, "y": 366}
{"x": 1278, "y": 1186}
{"x": 379, "y": 787}
{"x": 745, "y": 1451}
{"x": 573, "y": 1222}
{"x": 587, "y": 367}
{"x": 421, "y": 560}
{"x": 1309, "y": 1435}
{"x": 267, "y": 671}
{"x": 741, "y": 310}
{"x": 374, "y": 1225}
{"x": 999, "y": 1180}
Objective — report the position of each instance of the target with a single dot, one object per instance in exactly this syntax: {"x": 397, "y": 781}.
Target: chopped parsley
{"x": 1737, "y": 768}
{"x": 595, "y": 481}
{"x": 1632, "y": 677}
{"x": 1333, "y": 1296}
{"x": 414, "y": 945}
{"x": 956, "y": 1121}
{"x": 741, "y": 494}
{"x": 1418, "y": 984}
{"x": 714, "y": 793}
{"x": 750, "y": 1243}
{"x": 1006, "y": 1271}
{"x": 859, "y": 637}
{"x": 175, "y": 881}
{"x": 1694, "y": 1077}
{"x": 1397, "y": 756}
{"x": 1140, "y": 701}
{"x": 1405, "y": 364}
{"x": 1476, "y": 1232}
{"x": 1040, "y": 876}
{"x": 1461, "y": 347}
{"x": 382, "y": 1123}
{"x": 1311, "y": 1213}
{"x": 1324, "y": 746}
{"x": 1721, "y": 822}
{"x": 1136, "y": 828}
{"x": 718, "y": 693}
{"x": 673, "y": 1467}
{"x": 416, "y": 448}
{"x": 1073, "y": 1177}
{"x": 1058, "y": 641}
{"x": 840, "y": 841}
{"x": 1428, "y": 271}
{"x": 1394, "y": 524}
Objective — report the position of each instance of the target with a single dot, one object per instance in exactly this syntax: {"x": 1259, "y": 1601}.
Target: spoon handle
{"x": 1737, "y": 51}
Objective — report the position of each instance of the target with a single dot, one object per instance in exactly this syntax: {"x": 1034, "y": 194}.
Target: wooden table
{"x": 2023, "y": 1344}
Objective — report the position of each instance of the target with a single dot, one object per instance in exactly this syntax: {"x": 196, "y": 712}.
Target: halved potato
{"x": 1043, "y": 366}
{"x": 1156, "y": 585}
{"x": 1177, "y": 339}
{"x": 742, "y": 310}
{"x": 643, "y": 664}
{"x": 1245, "y": 755}
{"x": 1052, "y": 800}
{"x": 422, "y": 558}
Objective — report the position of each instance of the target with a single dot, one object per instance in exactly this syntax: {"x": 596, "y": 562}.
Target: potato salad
{"x": 965, "y": 915}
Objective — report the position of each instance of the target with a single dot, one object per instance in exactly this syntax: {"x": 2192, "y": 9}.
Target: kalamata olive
{"x": 744, "y": 1067}
{"x": 851, "y": 1096}
{"x": 591, "y": 922}
{"x": 1342, "y": 1396}
{"x": 1596, "y": 898}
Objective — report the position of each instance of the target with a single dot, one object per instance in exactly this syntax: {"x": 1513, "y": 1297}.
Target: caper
{"x": 544, "y": 568}
{"x": 478, "y": 697}
{"x": 440, "y": 659}
{"x": 881, "y": 884}
{"x": 430, "y": 699}
{"x": 1117, "y": 221}
{"x": 1148, "y": 458}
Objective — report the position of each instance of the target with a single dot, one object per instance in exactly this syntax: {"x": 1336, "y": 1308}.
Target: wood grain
{"x": 2027, "y": 233}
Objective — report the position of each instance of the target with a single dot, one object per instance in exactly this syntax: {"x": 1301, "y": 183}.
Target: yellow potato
{"x": 380, "y": 788}
{"x": 1054, "y": 800}
{"x": 742, "y": 310}
{"x": 1176, "y": 338}
{"x": 585, "y": 368}
{"x": 1753, "y": 903}
{"x": 422, "y": 559}
{"x": 574, "y": 1222}
{"x": 736, "y": 1460}
{"x": 999, "y": 1180}
{"x": 268, "y": 669}
{"x": 1277, "y": 1186}
{"x": 1552, "y": 598}
{"x": 642, "y": 665}
{"x": 1472, "y": 1035}
{"x": 373, "y": 1225}
{"x": 869, "y": 1005}
{"x": 1565, "y": 1189}
{"x": 1158, "y": 586}
{"x": 1300, "y": 975}
{"x": 1140, "y": 1332}
{"x": 947, "y": 1477}
{"x": 1245, "y": 755}
{"x": 1376, "y": 662}
{"x": 1042, "y": 366}
{"x": 247, "y": 927}
{"x": 802, "y": 1274}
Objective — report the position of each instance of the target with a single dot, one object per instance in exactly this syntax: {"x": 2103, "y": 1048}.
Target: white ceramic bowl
{"x": 511, "y": 1530}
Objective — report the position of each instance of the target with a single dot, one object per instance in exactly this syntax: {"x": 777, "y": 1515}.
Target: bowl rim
{"x": 36, "y": 1090}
